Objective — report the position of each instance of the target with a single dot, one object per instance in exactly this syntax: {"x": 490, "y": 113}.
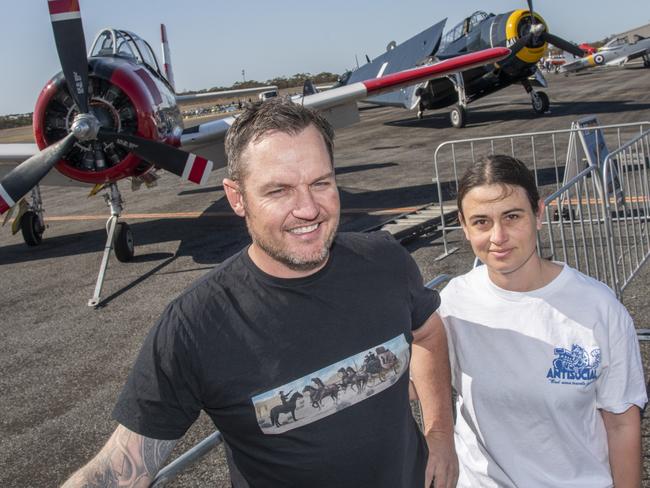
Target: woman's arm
{"x": 624, "y": 441}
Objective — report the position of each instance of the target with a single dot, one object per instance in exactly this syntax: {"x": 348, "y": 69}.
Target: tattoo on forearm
{"x": 154, "y": 453}
{"x": 127, "y": 460}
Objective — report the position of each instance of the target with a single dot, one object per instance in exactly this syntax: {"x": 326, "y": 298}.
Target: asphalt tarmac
{"x": 63, "y": 363}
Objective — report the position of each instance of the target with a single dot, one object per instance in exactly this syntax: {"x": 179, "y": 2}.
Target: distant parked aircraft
{"x": 616, "y": 52}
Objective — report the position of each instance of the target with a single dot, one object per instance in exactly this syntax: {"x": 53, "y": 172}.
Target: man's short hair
{"x": 272, "y": 115}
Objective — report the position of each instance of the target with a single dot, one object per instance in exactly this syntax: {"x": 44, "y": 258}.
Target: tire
{"x": 123, "y": 242}
{"x": 458, "y": 117}
{"x": 541, "y": 103}
{"x": 31, "y": 228}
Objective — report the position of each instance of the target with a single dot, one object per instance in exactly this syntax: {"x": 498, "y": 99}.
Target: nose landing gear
{"x": 119, "y": 238}
{"x": 540, "y": 101}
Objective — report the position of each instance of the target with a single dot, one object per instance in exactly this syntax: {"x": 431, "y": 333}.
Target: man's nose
{"x": 305, "y": 205}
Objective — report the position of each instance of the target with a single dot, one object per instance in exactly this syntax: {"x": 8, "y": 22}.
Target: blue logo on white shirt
{"x": 575, "y": 366}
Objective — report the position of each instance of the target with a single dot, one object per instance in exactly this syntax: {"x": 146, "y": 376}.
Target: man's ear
{"x": 234, "y": 196}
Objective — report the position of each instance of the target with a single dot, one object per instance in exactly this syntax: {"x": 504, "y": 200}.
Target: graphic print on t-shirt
{"x": 332, "y": 388}
{"x": 574, "y": 366}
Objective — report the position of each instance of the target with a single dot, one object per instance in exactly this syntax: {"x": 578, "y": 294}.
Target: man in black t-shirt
{"x": 302, "y": 310}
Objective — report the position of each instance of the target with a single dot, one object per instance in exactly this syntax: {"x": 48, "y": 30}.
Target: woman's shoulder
{"x": 470, "y": 279}
{"x": 587, "y": 286}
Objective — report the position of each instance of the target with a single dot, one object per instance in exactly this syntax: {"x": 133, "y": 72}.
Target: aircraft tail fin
{"x": 409, "y": 54}
{"x": 166, "y": 57}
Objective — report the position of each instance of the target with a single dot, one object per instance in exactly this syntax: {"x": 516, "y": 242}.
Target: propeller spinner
{"x": 537, "y": 34}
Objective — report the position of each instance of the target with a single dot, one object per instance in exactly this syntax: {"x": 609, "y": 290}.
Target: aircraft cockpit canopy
{"x": 616, "y": 42}
{"x": 121, "y": 43}
{"x": 463, "y": 28}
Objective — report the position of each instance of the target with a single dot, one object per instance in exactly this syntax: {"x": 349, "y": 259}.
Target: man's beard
{"x": 293, "y": 261}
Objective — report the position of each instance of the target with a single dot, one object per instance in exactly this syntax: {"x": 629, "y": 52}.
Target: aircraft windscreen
{"x": 619, "y": 41}
{"x": 103, "y": 45}
{"x": 147, "y": 54}
{"x": 462, "y": 28}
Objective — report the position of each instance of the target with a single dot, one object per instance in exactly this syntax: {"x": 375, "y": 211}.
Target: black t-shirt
{"x": 306, "y": 378}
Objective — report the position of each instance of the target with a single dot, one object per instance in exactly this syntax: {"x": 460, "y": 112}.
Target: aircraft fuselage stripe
{"x": 6, "y": 202}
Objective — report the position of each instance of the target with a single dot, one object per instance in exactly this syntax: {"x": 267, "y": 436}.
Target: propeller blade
{"x": 71, "y": 46}
{"x": 564, "y": 45}
{"x": 532, "y": 13}
{"x": 188, "y": 166}
{"x": 26, "y": 175}
{"x": 520, "y": 43}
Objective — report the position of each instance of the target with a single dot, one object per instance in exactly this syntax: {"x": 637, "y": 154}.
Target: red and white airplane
{"x": 115, "y": 115}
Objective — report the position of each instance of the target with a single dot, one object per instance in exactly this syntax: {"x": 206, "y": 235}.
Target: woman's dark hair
{"x": 499, "y": 169}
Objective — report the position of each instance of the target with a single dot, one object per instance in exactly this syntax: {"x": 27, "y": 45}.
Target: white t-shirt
{"x": 531, "y": 371}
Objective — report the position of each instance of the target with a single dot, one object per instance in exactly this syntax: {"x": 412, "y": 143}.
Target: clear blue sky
{"x": 212, "y": 41}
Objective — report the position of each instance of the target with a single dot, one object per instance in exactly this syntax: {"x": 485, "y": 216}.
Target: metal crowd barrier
{"x": 576, "y": 227}
{"x": 627, "y": 188}
{"x": 547, "y": 153}
{"x": 184, "y": 461}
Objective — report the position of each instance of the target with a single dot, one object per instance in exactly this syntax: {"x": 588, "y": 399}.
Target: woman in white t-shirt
{"x": 544, "y": 359}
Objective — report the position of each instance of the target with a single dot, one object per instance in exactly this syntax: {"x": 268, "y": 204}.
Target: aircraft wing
{"x": 220, "y": 95}
{"x": 577, "y": 65}
{"x": 621, "y": 60}
{"x": 16, "y": 153}
{"x": 339, "y": 104}
{"x": 11, "y": 155}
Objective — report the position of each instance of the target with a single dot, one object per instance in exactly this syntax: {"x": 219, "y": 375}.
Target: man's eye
{"x": 322, "y": 184}
{"x": 275, "y": 192}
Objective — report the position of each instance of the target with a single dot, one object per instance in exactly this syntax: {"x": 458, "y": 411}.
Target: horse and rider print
{"x": 332, "y": 388}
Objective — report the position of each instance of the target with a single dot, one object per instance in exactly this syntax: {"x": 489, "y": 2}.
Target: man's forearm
{"x": 128, "y": 459}
{"x": 431, "y": 376}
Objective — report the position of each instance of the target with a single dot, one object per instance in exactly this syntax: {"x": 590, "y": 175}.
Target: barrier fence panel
{"x": 550, "y": 154}
{"x": 575, "y": 227}
{"x": 626, "y": 184}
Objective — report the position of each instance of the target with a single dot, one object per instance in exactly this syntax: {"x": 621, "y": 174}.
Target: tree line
{"x": 281, "y": 82}
{"x": 15, "y": 120}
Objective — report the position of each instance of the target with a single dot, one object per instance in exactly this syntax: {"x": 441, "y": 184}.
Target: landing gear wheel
{"x": 31, "y": 228}
{"x": 540, "y": 100}
{"x": 123, "y": 242}
{"x": 458, "y": 116}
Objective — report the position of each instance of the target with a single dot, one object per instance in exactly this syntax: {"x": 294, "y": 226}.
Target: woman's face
{"x": 502, "y": 228}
